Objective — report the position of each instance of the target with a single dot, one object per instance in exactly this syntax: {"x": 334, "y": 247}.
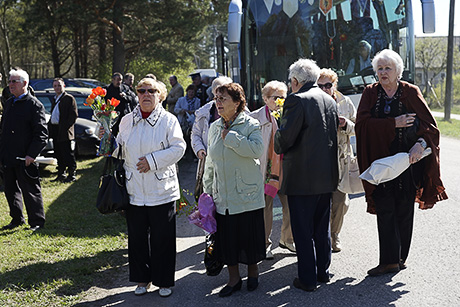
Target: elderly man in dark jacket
{"x": 308, "y": 139}
{"x": 61, "y": 129}
{"x": 23, "y": 135}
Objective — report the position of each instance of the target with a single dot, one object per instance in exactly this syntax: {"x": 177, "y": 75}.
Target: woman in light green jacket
{"x": 233, "y": 178}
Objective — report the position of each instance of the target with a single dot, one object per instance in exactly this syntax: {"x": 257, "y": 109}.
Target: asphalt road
{"x": 432, "y": 277}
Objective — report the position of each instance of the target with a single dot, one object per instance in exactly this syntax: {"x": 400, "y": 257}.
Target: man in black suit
{"x": 121, "y": 91}
{"x": 61, "y": 129}
{"x": 23, "y": 136}
{"x": 307, "y": 137}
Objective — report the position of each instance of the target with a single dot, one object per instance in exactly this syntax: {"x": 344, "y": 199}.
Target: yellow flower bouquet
{"x": 278, "y": 113}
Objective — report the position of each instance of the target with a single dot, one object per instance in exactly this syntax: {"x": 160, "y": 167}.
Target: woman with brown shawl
{"x": 393, "y": 117}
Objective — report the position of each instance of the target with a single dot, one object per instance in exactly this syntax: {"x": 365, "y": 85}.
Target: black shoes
{"x": 11, "y": 226}
{"x": 253, "y": 283}
{"x": 323, "y": 279}
{"x": 382, "y": 269}
{"x": 299, "y": 285}
{"x": 228, "y": 290}
{"x": 70, "y": 179}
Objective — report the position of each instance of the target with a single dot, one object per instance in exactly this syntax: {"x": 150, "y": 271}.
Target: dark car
{"x": 86, "y": 141}
{"x": 42, "y": 84}
{"x": 80, "y": 94}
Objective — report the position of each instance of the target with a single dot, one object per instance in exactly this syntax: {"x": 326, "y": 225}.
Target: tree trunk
{"x": 102, "y": 43}
{"x": 450, "y": 62}
{"x": 84, "y": 52}
{"x": 76, "y": 51}
{"x": 55, "y": 55}
{"x": 5, "y": 63}
{"x": 118, "y": 43}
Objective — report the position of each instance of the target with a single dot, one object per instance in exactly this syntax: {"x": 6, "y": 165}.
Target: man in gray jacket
{"x": 176, "y": 92}
{"x": 307, "y": 137}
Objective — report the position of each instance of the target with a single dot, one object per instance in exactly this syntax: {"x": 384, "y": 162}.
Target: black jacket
{"x": 22, "y": 129}
{"x": 127, "y": 103}
{"x": 67, "y": 117}
{"x": 308, "y": 139}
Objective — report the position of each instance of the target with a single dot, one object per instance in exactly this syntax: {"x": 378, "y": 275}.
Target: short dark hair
{"x": 117, "y": 74}
{"x": 58, "y": 79}
{"x": 191, "y": 87}
{"x": 174, "y": 77}
{"x": 236, "y": 92}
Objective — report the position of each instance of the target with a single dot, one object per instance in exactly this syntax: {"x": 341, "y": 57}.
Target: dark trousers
{"x": 152, "y": 244}
{"x": 395, "y": 220}
{"x": 310, "y": 216}
{"x": 65, "y": 156}
{"x": 18, "y": 186}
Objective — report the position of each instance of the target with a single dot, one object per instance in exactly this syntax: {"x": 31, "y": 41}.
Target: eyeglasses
{"x": 277, "y": 97}
{"x": 326, "y": 85}
{"x": 221, "y": 98}
{"x": 143, "y": 90}
{"x": 14, "y": 81}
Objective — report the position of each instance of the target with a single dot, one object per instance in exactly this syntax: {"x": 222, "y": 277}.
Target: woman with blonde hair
{"x": 152, "y": 143}
{"x": 270, "y": 165}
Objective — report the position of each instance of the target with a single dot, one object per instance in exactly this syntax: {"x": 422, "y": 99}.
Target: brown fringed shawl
{"x": 374, "y": 136}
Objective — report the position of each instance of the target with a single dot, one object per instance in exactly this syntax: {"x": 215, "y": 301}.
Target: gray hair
{"x": 220, "y": 81}
{"x": 22, "y": 74}
{"x": 272, "y": 86}
{"x": 391, "y": 56}
{"x": 304, "y": 70}
{"x": 366, "y": 45}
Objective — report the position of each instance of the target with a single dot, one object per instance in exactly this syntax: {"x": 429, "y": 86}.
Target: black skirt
{"x": 240, "y": 238}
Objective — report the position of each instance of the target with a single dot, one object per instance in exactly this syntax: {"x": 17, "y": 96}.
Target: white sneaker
{"x": 140, "y": 290}
{"x": 165, "y": 292}
{"x": 289, "y": 246}
{"x": 269, "y": 255}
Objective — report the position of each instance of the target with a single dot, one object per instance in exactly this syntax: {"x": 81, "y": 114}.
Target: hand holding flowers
{"x": 278, "y": 113}
{"x": 104, "y": 112}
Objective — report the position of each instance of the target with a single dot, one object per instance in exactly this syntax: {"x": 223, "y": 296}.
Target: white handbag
{"x": 350, "y": 182}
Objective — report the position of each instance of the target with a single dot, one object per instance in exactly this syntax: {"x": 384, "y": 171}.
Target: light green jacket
{"x": 232, "y": 170}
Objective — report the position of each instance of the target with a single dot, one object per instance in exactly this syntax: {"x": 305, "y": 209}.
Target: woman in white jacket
{"x": 204, "y": 117}
{"x": 327, "y": 81}
{"x": 152, "y": 142}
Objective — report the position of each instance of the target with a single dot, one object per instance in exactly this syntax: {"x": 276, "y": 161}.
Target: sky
{"x": 442, "y": 18}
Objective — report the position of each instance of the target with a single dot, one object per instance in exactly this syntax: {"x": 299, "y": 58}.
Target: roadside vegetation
{"x": 78, "y": 248}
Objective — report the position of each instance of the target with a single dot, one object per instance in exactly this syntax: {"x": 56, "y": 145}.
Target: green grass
{"x": 455, "y": 109}
{"x": 78, "y": 248}
{"x": 449, "y": 128}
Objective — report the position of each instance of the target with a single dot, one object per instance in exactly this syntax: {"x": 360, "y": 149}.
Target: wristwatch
{"x": 422, "y": 142}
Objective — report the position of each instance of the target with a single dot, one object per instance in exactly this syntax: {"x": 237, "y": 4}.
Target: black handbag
{"x": 199, "y": 179}
{"x": 212, "y": 263}
{"x": 112, "y": 196}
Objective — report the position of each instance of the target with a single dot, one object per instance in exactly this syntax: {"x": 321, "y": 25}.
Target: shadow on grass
{"x": 81, "y": 273}
{"x": 74, "y": 212}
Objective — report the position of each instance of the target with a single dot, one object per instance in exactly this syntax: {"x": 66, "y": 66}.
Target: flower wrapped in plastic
{"x": 105, "y": 114}
{"x": 204, "y": 216}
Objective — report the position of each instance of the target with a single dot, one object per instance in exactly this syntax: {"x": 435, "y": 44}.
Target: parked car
{"x": 46, "y": 97}
{"x": 42, "y": 84}
{"x": 86, "y": 140}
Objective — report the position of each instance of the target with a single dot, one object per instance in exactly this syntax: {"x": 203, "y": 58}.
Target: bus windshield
{"x": 341, "y": 34}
